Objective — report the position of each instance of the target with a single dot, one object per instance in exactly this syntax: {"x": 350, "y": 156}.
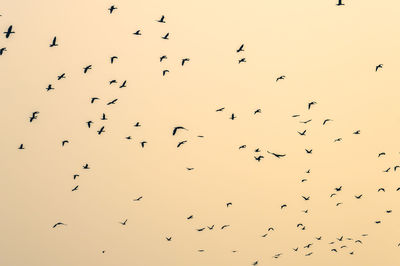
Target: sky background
{"x": 328, "y": 55}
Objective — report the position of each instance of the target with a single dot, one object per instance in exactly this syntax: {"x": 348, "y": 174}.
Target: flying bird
{"x": 176, "y": 129}
{"x": 124, "y": 222}
{"x": 137, "y": 32}
{"x": 276, "y": 154}
{"x": 58, "y": 224}
{"x": 101, "y": 130}
{"x": 378, "y": 67}
{"x": 21, "y": 147}
{"x": 165, "y": 37}
{"x": 162, "y": 19}
{"x": 9, "y": 32}
{"x": 86, "y": 68}
{"x": 326, "y": 120}
{"x": 240, "y": 49}
{"x": 54, "y": 42}
{"x": 185, "y": 60}
{"x": 34, "y": 116}
{"x": 75, "y": 188}
{"x": 280, "y": 78}
{"x": 112, "y": 58}
{"x": 123, "y": 85}
{"x": 340, "y": 3}
{"x": 165, "y": 72}
{"x": 311, "y": 104}
{"x": 242, "y": 60}
{"x": 112, "y": 8}
{"x": 2, "y": 50}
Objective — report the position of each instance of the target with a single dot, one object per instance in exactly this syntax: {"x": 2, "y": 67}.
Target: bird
{"x": 93, "y": 99}
{"x": 64, "y": 142}
{"x": 302, "y": 133}
{"x": 75, "y": 188}
{"x": 86, "y": 68}
{"x": 137, "y": 124}
{"x": 338, "y": 188}
{"x": 381, "y": 189}
{"x": 89, "y": 123}
{"x": 381, "y": 154}
{"x": 242, "y": 147}
{"x": 142, "y": 143}
{"x": 257, "y": 111}
{"x": 340, "y": 3}
{"x": 189, "y": 217}
{"x": 58, "y": 224}
{"x": 54, "y": 42}
{"x": 229, "y": 204}
{"x": 162, "y": 19}
{"x": 326, "y": 120}
{"x": 128, "y": 137}
{"x": 307, "y": 121}
{"x": 165, "y": 71}
{"x": 163, "y": 57}
{"x": 306, "y": 198}
{"x": 101, "y": 130}
{"x": 176, "y": 129}
{"x": 255, "y": 263}
{"x": 210, "y": 227}
{"x": 112, "y": 102}
{"x": 258, "y": 158}
{"x": 181, "y": 143}
{"x": 124, "y": 222}
{"x": 185, "y": 60}
{"x": 62, "y": 76}
{"x": 340, "y": 238}
{"x": 233, "y": 116}
{"x": 295, "y": 115}
{"x": 358, "y": 196}
{"x": 2, "y": 50}
{"x": 395, "y": 168}
{"x": 34, "y": 116}
{"x": 309, "y": 151}
{"x": 357, "y": 132}
{"x": 276, "y": 154}
{"x": 224, "y": 226}
{"x": 112, "y": 82}
{"x": 311, "y": 104}
{"x": 338, "y": 139}
{"x": 200, "y": 229}
{"x": 220, "y": 109}
{"x": 123, "y": 85}
{"x": 138, "y": 199}
{"x": 9, "y": 32}
{"x": 242, "y": 60}
{"x": 112, "y": 8}
{"x": 86, "y": 166}
{"x": 280, "y": 78}
{"x": 240, "y": 49}
{"x": 49, "y": 88}
{"x": 168, "y": 238}
{"x": 378, "y": 67}
{"x": 75, "y": 176}
{"x": 112, "y": 58}
{"x": 283, "y": 206}
{"x": 387, "y": 170}
{"x": 103, "y": 117}
{"x": 137, "y": 32}
{"x": 165, "y": 37}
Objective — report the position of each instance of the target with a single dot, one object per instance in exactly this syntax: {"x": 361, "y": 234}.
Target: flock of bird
{"x": 345, "y": 244}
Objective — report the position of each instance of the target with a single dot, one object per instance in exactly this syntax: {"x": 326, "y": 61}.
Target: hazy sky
{"x": 328, "y": 55}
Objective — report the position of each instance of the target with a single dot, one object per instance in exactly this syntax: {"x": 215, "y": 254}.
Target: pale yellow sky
{"x": 328, "y": 55}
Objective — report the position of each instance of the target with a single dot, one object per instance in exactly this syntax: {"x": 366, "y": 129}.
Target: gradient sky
{"x": 328, "y": 55}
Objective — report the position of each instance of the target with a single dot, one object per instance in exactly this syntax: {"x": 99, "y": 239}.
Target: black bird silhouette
{"x": 306, "y": 198}
{"x": 229, "y": 204}
{"x": 258, "y": 158}
{"x": 112, "y": 58}
{"x": 112, "y": 102}
{"x": 242, "y": 147}
{"x": 295, "y": 115}
{"x": 280, "y": 78}
{"x": 86, "y": 166}
{"x": 257, "y": 111}
{"x": 381, "y": 154}
{"x": 310, "y": 104}
{"x": 123, "y": 85}
{"x": 333, "y": 194}
{"x": 358, "y": 197}
{"x": 307, "y": 121}
{"x": 86, "y": 68}
{"x": 233, "y": 116}
{"x": 103, "y": 117}
{"x": 137, "y": 199}
{"x": 142, "y": 143}
{"x": 62, "y": 76}
{"x": 210, "y": 227}
{"x": 224, "y": 226}
{"x": 165, "y": 37}
{"x": 163, "y": 57}
{"x": 54, "y": 42}
{"x": 165, "y": 71}
{"x": 271, "y": 229}
{"x": 378, "y": 67}
{"x": 9, "y": 32}
{"x": 75, "y": 176}
{"x": 21, "y": 147}
{"x": 357, "y": 132}
{"x": 276, "y": 154}
{"x": 58, "y": 224}
{"x": 112, "y": 81}
{"x": 162, "y": 19}
{"x": 49, "y": 88}
{"x": 181, "y": 143}
{"x": 340, "y": 238}
{"x": 283, "y": 206}
{"x": 302, "y": 133}
{"x": 176, "y": 129}
{"x": 64, "y": 142}
{"x": 242, "y": 60}
{"x": 189, "y": 217}
{"x": 257, "y": 150}
{"x": 137, "y": 32}
{"x": 326, "y": 120}
{"x": 220, "y": 109}
{"x": 2, "y": 50}
{"x": 387, "y": 170}
{"x": 94, "y": 99}
{"x": 200, "y": 229}
{"x": 124, "y": 222}
{"x": 189, "y": 168}
{"x": 381, "y": 189}
{"x": 395, "y": 168}
{"x": 137, "y": 124}
{"x": 34, "y": 116}
{"x": 112, "y": 8}
{"x": 338, "y": 188}
{"x": 185, "y": 60}
{"x": 169, "y": 238}
{"x": 89, "y": 123}
{"x": 240, "y": 49}
{"x": 309, "y": 151}
{"x": 340, "y": 3}
{"x": 128, "y": 137}
{"x": 75, "y": 188}
{"x": 101, "y": 130}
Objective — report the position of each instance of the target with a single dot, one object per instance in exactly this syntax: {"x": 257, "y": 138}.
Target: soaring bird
{"x": 340, "y": 3}
{"x": 58, "y": 224}
{"x": 357, "y": 132}
{"x": 75, "y": 176}
{"x": 112, "y": 58}
{"x": 2, "y": 50}
{"x": 338, "y": 188}
{"x": 283, "y": 206}
{"x": 381, "y": 154}
{"x": 378, "y": 67}
{"x": 181, "y": 143}
{"x": 165, "y": 37}
{"x": 86, "y": 68}
{"x": 169, "y": 238}
{"x": 242, "y": 60}
{"x": 310, "y": 104}
{"x": 232, "y": 116}
{"x": 302, "y": 133}
{"x": 137, "y": 124}
{"x": 142, "y": 143}
{"x": 229, "y": 204}
{"x": 224, "y": 226}
{"x": 103, "y": 117}
{"x": 240, "y": 49}
{"x": 358, "y": 196}
{"x": 165, "y": 71}
{"x": 123, "y": 85}
{"x": 189, "y": 217}
{"x": 64, "y": 142}
{"x": 280, "y": 78}
{"x": 326, "y": 120}
{"x": 112, "y": 102}
{"x": 163, "y": 57}
{"x": 307, "y": 121}
{"x": 257, "y": 111}
{"x": 62, "y": 76}
{"x": 124, "y": 222}
{"x": 162, "y": 19}
{"x": 185, "y": 60}
{"x": 137, "y": 32}
{"x": 258, "y": 158}
{"x": 137, "y": 199}
{"x": 306, "y": 198}
{"x": 309, "y": 151}
{"x": 242, "y": 147}
{"x": 210, "y": 227}
{"x": 93, "y": 99}
{"x": 54, "y": 42}
{"x": 34, "y": 116}
{"x": 220, "y": 109}
{"x": 89, "y": 123}
{"x": 75, "y": 188}
{"x": 112, "y": 8}
{"x": 101, "y": 130}
{"x": 112, "y": 82}
{"x": 276, "y": 154}
{"x": 86, "y": 166}
{"x": 338, "y": 139}
{"x": 21, "y": 147}
{"x": 9, "y": 32}
{"x": 176, "y": 129}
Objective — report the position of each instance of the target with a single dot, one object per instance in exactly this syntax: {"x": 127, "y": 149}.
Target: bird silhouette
{"x": 58, "y": 224}
{"x": 124, "y": 222}
{"x": 175, "y": 130}
{"x": 112, "y": 58}
{"x": 103, "y": 117}
{"x": 86, "y": 166}
{"x": 101, "y": 130}
{"x": 232, "y": 116}
{"x": 49, "y": 88}
{"x": 229, "y": 204}
{"x": 143, "y": 143}
{"x": 381, "y": 154}
{"x": 138, "y": 199}
{"x": 309, "y": 151}
{"x": 184, "y": 60}
{"x": 165, "y": 71}
{"x": 64, "y": 142}
{"x": 9, "y": 31}
{"x": 34, "y": 116}
{"x": 112, "y": 102}
{"x": 93, "y": 99}
{"x": 302, "y": 133}
{"x": 258, "y": 158}
{"x": 2, "y": 50}
{"x": 378, "y": 67}
{"x": 220, "y": 109}
{"x": 162, "y": 19}
{"x": 326, "y": 121}
{"x": 277, "y": 155}
{"x": 357, "y": 132}
{"x": 163, "y": 57}
{"x": 54, "y": 42}
{"x": 123, "y": 85}
{"x": 181, "y": 143}
{"x": 242, "y": 60}
{"x": 168, "y": 238}
{"x": 280, "y": 78}
{"x": 137, "y": 124}
{"x": 75, "y": 176}
{"x": 358, "y": 196}
{"x": 240, "y": 49}
{"x": 311, "y": 104}
{"x": 86, "y": 68}
{"x": 137, "y": 32}
{"x": 112, "y": 8}
{"x": 165, "y": 37}
{"x": 340, "y": 3}
{"x": 89, "y": 123}
{"x": 75, "y": 188}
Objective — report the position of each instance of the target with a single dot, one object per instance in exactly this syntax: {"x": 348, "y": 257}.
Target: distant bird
{"x": 377, "y": 222}
{"x": 357, "y": 132}
{"x": 276, "y": 154}
{"x": 165, "y": 37}
{"x": 311, "y": 104}
{"x": 339, "y": 203}
{"x": 381, "y": 189}
{"x": 58, "y": 224}
{"x": 2, "y": 50}
{"x": 302, "y": 133}
{"x": 381, "y": 154}
{"x": 258, "y": 158}
{"x": 137, "y": 124}
{"x": 255, "y": 263}
{"x": 220, "y": 109}
{"x": 112, "y": 102}
{"x": 229, "y": 204}
{"x": 168, "y": 238}
{"x": 257, "y": 111}
{"x": 54, "y": 42}
{"x": 49, "y": 88}
{"x": 64, "y": 142}
{"x": 338, "y": 139}
{"x": 93, "y": 99}
{"x": 124, "y": 222}
{"x": 395, "y": 168}
{"x": 306, "y": 198}
{"x": 307, "y": 121}
{"x": 137, "y": 32}
{"x": 123, "y": 85}
{"x": 338, "y": 188}
{"x": 333, "y": 194}
{"x": 86, "y": 166}
{"x": 257, "y": 150}
{"x": 295, "y": 115}
{"x": 181, "y": 143}
{"x": 165, "y": 72}
{"x": 62, "y": 76}
{"x": 176, "y": 129}
{"x": 112, "y": 8}
{"x": 309, "y": 151}
{"x": 163, "y": 57}
{"x": 138, "y": 199}
{"x": 112, "y": 58}
{"x": 189, "y": 168}
{"x": 101, "y": 130}
{"x": 86, "y": 68}
{"x": 280, "y": 78}
{"x": 233, "y": 116}
{"x": 326, "y": 120}
{"x": 162, "y": 19}
{"x": 242, "y": 147}
{"x": 112, "y": 82}
{"x": 210, "y": 227}
{"x": 9, "y": 31}
{"x": 242, "y": 60}
{"x": 340, "y": 3}
{"x": 224, "y": 226}
{"x": 75, "y": 188}
{"x": 189, "y": 217}
{"x": 240, "y": 49}
{"x": 142, "y": 143}
{"x": 358, "y": 196}
{"x": 128, "y": 137}
{"x": 103, "y": 117}
{"x": 185, "y": 60}
{"x": 75, "y": 176}
{"x": 200, "y": 229}
{"x": 283, "y": 206}
{"x": 34, "y": 116}
{"x": 89, "y": 123}
{"x": 21, "y": 147}
{"x": 378, "y": 67}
